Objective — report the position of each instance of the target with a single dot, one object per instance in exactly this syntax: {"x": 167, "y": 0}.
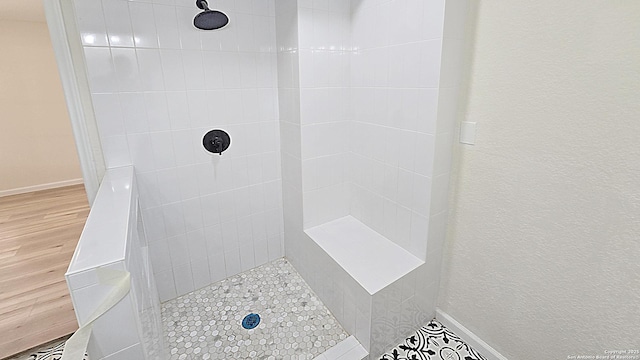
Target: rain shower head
{"x": 209, "y": 19}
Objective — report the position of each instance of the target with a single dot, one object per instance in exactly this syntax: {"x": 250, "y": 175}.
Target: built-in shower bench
{"x": 374, "y": 261}
{"x": 367, "y": 281}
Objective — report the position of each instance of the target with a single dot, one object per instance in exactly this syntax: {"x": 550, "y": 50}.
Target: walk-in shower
{"x": 342, "y": 130}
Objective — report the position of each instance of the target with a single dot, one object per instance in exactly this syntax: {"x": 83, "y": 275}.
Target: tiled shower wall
{"x": 397, "y": 127}
{"x": 324, "y": 34}
{"x": 394, "y": 78}
{"x": 369, "y": 96}
{"x": 158, "y": 85}
{"x": 289, "y": 106}
{"x": 368, "y": 103}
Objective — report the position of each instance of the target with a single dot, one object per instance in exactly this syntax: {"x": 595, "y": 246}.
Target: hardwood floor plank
{"x": 38, "y": 234}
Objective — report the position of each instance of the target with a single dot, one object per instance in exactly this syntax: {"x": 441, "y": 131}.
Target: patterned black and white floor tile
{"x": 49, "y": 351}
{"x": 433, "y": 342}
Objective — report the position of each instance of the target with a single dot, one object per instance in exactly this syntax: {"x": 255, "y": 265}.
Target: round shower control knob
{"x": 216, "y": 141}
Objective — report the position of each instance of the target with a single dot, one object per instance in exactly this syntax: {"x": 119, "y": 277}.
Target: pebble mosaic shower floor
{"x": 207, "y": 323}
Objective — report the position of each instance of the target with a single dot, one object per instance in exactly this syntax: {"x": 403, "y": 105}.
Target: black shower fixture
{"x": 209, "y": 19}
{"x": 216, "y": 141}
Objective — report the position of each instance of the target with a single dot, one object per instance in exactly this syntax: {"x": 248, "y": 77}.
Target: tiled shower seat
{"x": 373, "y": 286}
{"x": 361, "y": 252}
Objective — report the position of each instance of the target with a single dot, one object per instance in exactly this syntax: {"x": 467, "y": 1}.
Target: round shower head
{"x": 209, "y": 19}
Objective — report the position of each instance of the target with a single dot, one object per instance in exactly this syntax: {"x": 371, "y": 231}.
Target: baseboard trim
{"x": 469, "y": 337}
{"x": 33, "y": 188}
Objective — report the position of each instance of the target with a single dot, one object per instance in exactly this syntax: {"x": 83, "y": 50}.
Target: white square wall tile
{"x": 214, "y": 242}
{"x": 168, "y": 185}
{"x": 166, "y": 285}
{"x": 212, "y": 64}
{"x": 231, "y": 78}
{"x": 91, "y": 23}
{"x": 109, "y": 117}
{"x": 183, "y": 148}
{"x": 157, "y": 111}
{"x": 247, "y": 257}
{"x": 100, "y": 69}
{"x": 178, "y": 110}
{"x": 162, "y": 145}
{"x": 424, "y": 154}
{"x": 217, "y": 267}
{"x": 160, "y": 255}
{"x": 201, "y": 275}
{"x": 430, "y": 54}
{"x": 420, "y": 227}
{"x": 121, "y": 316}
{"x": 183, "y": 279}
{"x": 154, "y": 226}
{"x": 189, "y": 35}
{"x": 192, "y": 212}
{"x": 193, "y": 70}
{"x": 257, "y": 198}
{"x": 258, "y": 227}
{"x": 421, "y": 197}
{"x": 145, "y": 34}
{"x": 134, "y": 112}
{"x": 178, "y": 250}
{"x": 210, "y": 210}
{"x": 125, "y": 63}
{"x": 229, "y": 232}
{"x": 173, "y": 219}
{"x": 142, "y": 155}
{"x": 188, "y": 182}
{"x": 116, "y": 151}
{"x": 172, "y": 69}
{"x": 150, "y": 66}
{"x": 427, "y": 109}
{"x": 232, "y": 262}
{"x": 118, "y": 22}
{"x": 275, "y": 247}
{"x": 261, "y": 251}
{"x": 245, "y": 235}
{"x": 168, "y": 34}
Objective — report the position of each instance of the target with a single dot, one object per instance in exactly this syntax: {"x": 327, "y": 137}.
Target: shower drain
{"x": 251, "y": 321}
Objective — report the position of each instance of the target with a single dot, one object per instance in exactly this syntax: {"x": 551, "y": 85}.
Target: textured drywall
{"x": 36, "y": 142}
{"x": 543, "y": 250}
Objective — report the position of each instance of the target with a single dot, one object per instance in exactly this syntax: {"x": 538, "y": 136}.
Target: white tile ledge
{"x": 104, "y": 237}
{"x": 371, "y": 259}
{"x": 347, "y": 349}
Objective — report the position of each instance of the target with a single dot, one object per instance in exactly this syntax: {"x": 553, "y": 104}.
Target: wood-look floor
{"x": 38, "y": 234}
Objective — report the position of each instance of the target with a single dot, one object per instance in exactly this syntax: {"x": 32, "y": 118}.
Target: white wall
{"x": 158, "y": 85}
{"x": 542, "y": 257}
{"x": 36, "y": 143}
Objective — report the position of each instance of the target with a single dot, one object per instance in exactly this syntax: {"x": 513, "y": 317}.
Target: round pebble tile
{"x": 207, "y": 323}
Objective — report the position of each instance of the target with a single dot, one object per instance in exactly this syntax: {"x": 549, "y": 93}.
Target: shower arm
{"x": 202, "y": 4}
